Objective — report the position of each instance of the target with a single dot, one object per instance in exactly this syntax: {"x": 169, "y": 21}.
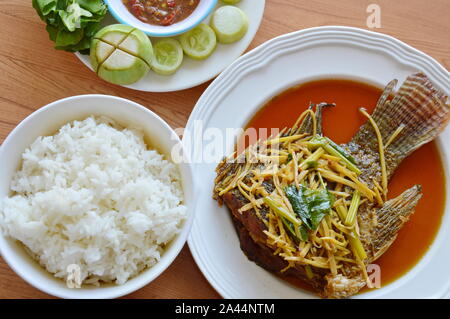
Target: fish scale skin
{"x": 423, "y": 111}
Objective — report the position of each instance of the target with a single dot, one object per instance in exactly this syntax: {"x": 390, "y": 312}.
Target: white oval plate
{"x": 193, "y": 72}
{"x": 238, "y": 92}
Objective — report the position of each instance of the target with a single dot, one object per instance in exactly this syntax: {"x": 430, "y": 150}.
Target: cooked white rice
{"x": 94, "y": 196}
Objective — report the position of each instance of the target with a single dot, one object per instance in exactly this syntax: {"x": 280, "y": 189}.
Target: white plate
{"x": 193, "y": 72}
{"x": 237, "y": 93}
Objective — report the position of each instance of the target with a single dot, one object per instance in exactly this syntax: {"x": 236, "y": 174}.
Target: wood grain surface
{"x": 33, "y": 74}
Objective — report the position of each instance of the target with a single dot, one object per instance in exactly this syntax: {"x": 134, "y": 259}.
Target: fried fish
{"x": 306, "y": 207}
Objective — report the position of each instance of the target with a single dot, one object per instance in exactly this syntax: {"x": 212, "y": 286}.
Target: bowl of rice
{"x": 96, "y": 197}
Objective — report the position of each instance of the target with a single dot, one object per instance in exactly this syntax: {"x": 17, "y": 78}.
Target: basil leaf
{"x": 298, "y": 204}
{"x": 311, "y": 206}
{"x": 304, "y": 232}
{"x": 319, "y": 203}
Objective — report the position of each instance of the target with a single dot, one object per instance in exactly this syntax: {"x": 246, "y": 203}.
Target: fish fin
{"x": 306, "y": 126}
{"x": 418, "y": 106}
{"x": 319, "y": 109}
{"x": 391, "y": 217}
{"x": 387, "y": 92}
{"x": 421, "y": 108}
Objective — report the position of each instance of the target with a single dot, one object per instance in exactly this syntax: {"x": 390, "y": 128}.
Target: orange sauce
{"x": 340, "y": 123}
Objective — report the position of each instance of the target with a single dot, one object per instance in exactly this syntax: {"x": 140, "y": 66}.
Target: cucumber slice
{"x": 199, "y": 42}
{"x": 231, "y": 1}
{"x": 230, "y": 24}
{"x": 168, "y": 56}
{"x": 122, "y": 68}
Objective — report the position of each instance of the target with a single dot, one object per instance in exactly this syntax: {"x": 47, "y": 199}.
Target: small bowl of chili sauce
{"x": 161, "y": 18}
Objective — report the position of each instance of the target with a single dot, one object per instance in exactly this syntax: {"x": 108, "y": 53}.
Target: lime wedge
{"x": 231, "y": 1}
{"x": 230, "y": 24}
{"x": 114, "y": 34}
{"x": 100, "y": 52}
{"x": 122, "y": 68}
{"x": 168, "y": 56}
{"x": 137, "y": 43}
{"x": 199, "y": 42}
{"x": 121, "y": 54}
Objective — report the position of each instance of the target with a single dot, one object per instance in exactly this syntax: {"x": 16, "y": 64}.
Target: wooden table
{"x": 33, "y": 74}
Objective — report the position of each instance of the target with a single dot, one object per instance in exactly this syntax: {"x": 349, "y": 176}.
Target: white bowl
{"x": 47, "y": 121}
{"x": 121, "y": 14}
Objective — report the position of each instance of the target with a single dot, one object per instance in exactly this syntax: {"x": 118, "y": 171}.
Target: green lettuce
{"x": 71, "y": 24}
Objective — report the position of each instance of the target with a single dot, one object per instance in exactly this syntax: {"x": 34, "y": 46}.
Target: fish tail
{"x": 391, "y": 217}
{"x": 415, "y": 115}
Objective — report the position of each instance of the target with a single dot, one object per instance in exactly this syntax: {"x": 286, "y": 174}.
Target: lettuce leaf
{"x": 71, "y": 24}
